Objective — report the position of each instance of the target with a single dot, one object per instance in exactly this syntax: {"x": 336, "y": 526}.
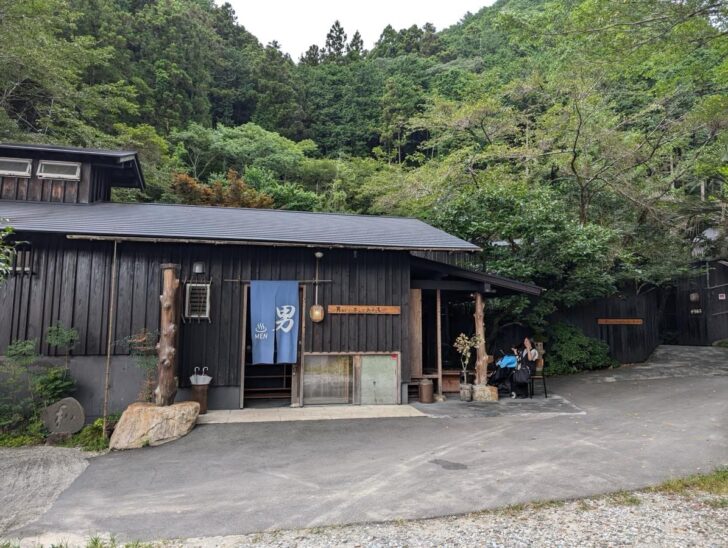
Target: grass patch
{"x": 721, "y": 344}
{"x": 718, "y": 504}
{"x": 99, "y": 542}
{"x": 14, "y": 439}
{"x": 90, "y": 438}
{"x": 584, "y": 506}
{"x": 625, "y": 498}
{"x": 543, "y": 504}
{"x": 715, "y": 483}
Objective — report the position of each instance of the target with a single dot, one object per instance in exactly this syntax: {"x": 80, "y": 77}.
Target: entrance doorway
{"x": 269, "y": 385}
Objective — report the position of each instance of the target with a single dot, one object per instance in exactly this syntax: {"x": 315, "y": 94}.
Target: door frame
{"x": 296, "y": 369}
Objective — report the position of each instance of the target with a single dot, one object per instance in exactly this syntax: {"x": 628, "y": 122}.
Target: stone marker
{"x": 483, "y": 392}
{"x": 146, "y": 424}
{"x": 63, "y": 417}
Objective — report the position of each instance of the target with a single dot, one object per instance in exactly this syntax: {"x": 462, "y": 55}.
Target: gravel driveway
{"x": 639, "y": 519}
{"x": 31, "y": 478}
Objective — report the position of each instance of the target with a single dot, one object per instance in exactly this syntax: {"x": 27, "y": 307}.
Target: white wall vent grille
{"x": 197, "y": 301}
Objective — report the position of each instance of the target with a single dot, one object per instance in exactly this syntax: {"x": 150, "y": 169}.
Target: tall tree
{"x": 312, "y": 57}
{"x": 335, "y": 47}
{"x": 355, "y": 48}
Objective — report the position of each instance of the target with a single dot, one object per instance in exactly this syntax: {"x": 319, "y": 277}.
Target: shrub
{"x": 91, "y": 438}
{"x": 571, "y": 351}
{"x": 53, "y": 384}
{"x": 16, "y": 388}
{"x": 63, "y": 338}
{"x": 25, "y": 390}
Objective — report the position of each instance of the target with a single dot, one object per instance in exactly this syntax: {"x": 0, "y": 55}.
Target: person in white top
{"x": 529, "y": 356}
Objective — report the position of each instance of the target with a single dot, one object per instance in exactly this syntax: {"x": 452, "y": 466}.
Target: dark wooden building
{"x": 96, "y": 266}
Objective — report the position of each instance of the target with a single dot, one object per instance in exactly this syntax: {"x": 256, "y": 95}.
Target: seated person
{"x": 529, "y": 357}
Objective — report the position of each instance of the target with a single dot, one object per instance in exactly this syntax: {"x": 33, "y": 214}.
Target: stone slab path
{"x": 309, "y": 413}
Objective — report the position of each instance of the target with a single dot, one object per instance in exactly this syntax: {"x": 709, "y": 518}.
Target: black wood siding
{"x": 627, "y": 343}
{"x": 71, "y": 282}
{"x": 705, "y": 320}
{"x": 93, "y": 186}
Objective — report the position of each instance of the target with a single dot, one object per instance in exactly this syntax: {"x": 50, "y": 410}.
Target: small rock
{"x": 57, "y": 438}
{"x": 146, "y": 424}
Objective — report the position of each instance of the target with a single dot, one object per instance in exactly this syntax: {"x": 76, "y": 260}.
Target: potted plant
{"x": 464, "y": 345}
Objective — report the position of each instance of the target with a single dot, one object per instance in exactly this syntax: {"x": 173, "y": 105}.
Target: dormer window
{"x": 15, "y": 167}
{"x": 48, "y": 169}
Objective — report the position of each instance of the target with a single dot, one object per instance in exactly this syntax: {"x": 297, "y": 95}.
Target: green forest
{"x": 583, "y": 144}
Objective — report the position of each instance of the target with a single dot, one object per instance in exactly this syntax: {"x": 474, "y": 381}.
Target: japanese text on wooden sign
{"x": 362, "y": 309}
{"x": 620, "y": 321}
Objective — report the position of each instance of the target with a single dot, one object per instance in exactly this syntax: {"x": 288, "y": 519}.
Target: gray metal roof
{"x": 59, "y": 149}
{"x": 229, "y": 224}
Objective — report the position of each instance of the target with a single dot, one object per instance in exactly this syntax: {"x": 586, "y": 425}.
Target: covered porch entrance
{"x": 446, "y": 300}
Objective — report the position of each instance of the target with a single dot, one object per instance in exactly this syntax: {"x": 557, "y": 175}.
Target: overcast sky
{"x": 297, "y": 24}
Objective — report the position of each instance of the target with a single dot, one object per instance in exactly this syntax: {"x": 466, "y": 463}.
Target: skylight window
{"x": 48, "y": 169}
{"x": 15, "y": 167}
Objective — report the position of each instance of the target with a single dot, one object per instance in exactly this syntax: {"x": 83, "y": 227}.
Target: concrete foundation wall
{"x": 126, "y": 382}
{"x": 218, "y": 397}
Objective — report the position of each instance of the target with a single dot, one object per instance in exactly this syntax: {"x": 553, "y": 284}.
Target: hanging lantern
{"x": 316, "y": 313}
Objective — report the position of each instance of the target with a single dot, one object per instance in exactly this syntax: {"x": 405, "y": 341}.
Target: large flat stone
{"x": 145, "y": 424}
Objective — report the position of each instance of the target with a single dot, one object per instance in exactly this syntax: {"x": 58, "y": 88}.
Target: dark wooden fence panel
{"x": 627, "y": 343}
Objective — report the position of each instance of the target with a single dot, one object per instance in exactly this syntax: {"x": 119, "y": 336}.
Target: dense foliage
{"x": 6, "y": 252}
{"x": 27, "y": 386}
{"x": 582, "y": 143}
{"x": 570, "y": 351}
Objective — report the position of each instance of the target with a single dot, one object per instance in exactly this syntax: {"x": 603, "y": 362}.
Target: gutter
{"x": 154, "y": 240}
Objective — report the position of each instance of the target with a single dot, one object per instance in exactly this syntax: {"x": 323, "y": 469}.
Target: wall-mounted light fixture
{"x": 316, "y": 312}
{"x": 198, "y": 267}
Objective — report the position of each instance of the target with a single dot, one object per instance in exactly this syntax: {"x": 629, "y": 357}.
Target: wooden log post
{"x": 166, "y": 389}
{"x": 481, "y": 363}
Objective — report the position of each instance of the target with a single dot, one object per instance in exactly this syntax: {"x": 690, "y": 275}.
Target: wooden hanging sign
{"x": 620, "y": 321}
{"x": 363, "y": 309}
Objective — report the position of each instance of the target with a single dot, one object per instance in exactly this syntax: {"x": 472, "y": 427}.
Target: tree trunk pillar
{"x": 166, "y": 389}
{"x": 481, "y": 363}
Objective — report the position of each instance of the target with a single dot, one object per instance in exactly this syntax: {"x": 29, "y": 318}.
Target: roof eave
{"x": 272, "y": 243}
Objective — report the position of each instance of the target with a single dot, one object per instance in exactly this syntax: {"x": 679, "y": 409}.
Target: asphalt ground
{"x": 606, "y": 431}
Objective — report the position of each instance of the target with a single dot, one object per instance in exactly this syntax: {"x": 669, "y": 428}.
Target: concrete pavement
{"x": 309, "y": 413}
{"x": 629, "y": 430}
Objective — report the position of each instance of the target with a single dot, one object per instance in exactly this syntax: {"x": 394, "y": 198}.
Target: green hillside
{"x": 587, "y": 138}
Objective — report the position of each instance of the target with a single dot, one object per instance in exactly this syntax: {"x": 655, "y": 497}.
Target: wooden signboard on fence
{"x": 363, "y": 309}
{"x": 620, "y": 321}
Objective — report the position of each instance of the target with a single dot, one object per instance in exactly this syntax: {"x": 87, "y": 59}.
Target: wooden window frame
{"x": 11, "y": 173}
{"x": 22, "y": 261}
{"x": 58, "y": 176}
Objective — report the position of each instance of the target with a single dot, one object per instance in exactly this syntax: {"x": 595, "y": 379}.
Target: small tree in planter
{"x": 464, "y": 345}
